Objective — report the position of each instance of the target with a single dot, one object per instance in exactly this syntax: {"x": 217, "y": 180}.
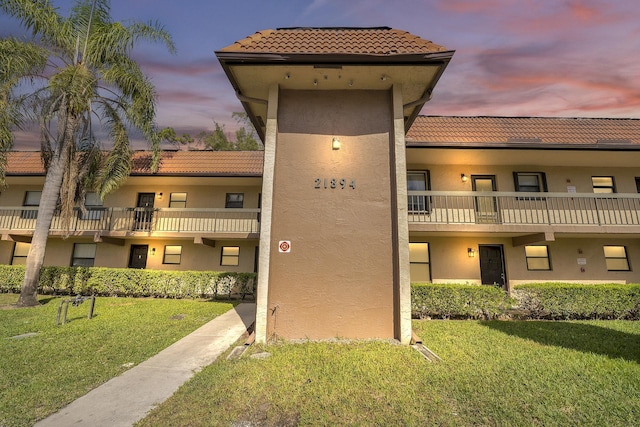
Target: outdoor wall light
{"x": 464, "y": 178}
{"x": 153, "y": 251}
{"x": 335, "y": 144}
{"x": 159, "y": 196}
{"x": 471, "y": 252}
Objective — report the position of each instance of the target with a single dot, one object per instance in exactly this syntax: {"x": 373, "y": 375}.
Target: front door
{"x": 486, "y": 206}
{"x": 492, "y": 265}
{"x": 144, "y": 212}
{"x": 138, "y": 257}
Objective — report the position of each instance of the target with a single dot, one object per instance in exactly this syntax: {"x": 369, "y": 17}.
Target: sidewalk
{"x": 128, "y": 398}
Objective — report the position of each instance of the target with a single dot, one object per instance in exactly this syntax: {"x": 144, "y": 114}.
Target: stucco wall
{"x": 338, "y": 279}
{"x": 449, "y": 261}
{"x": 447, "y": 177}
{"x": 194, "y": 257}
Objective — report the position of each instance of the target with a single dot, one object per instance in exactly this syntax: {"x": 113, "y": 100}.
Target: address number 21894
{"x": 326, "y": 183}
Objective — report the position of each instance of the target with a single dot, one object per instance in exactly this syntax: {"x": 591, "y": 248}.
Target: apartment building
{"x": 356, "y": 195}
{"x": 199, "y": 211}
{"x": 486, "y": 204}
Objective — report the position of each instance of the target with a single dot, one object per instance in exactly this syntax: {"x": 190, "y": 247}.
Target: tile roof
{"x": 199, "y": 163}
{"x": 514, "y": 130}
{"x": 362, "y": 41}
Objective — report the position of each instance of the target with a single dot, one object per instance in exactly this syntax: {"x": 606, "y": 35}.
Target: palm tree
{"x": 79, "y": 72}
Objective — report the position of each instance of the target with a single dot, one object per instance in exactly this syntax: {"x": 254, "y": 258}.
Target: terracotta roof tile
{"x": 545, "y": 130}
{"x": 363, "y": 41}
{"x": 202, "y": 163}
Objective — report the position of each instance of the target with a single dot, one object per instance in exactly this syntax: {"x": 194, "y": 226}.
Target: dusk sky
{"x": 564, "y": 58}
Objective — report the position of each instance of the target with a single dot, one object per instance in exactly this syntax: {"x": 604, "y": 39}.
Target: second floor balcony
{"x": 126, "y": 221}
{"x": 509, "y": 210}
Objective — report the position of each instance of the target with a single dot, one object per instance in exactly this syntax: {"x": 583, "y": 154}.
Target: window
{"x": 616, "y": 258}
{"x": 419, "y": 262}
{"x": 84, "y": 255}
{"x": 537, "y": 257}
{"x": 530, "y": 182}
{"x": 418, "y": 181}
{"x": 93, "y": 203}
{"x": 230, "y": 255}
{"x": 172, "y": 254}
{"x": 31, "y": 198}
{"x": 638, "y": 184}
{"x": 178, "y": 200}
{"x": 20, "y": 252}
{"x": 234, "y": 200}
{"x": 603, "y": 184}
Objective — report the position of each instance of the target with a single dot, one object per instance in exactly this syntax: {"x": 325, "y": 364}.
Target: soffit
{"x": 520, "y": 157}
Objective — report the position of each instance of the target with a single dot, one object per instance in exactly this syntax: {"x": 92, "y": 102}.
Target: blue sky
{"x": 564, "y": 58}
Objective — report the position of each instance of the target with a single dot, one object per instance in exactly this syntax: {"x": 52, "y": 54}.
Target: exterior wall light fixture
{"x": 159, "y": 196}
{"x": 464, "y": 178}
{"x": 153, "y": 251}
{"x": 335, "y": 144}
{"x": 471, "y": 253}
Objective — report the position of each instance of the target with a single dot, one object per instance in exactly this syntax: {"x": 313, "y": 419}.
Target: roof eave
{"x": 524, "y": 146}
{"x": 228, "y": 59}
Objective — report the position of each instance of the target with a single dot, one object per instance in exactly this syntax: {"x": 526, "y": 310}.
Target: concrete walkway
{"x": 128, "y": 398}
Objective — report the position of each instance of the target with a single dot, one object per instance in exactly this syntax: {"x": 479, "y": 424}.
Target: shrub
{"x": 131, "y": 282}
{"x": 578, "y": 301}
{"x": 446, "y": 301}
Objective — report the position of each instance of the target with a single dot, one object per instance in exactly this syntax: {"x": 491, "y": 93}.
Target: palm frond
{"x": 43, "y": 20}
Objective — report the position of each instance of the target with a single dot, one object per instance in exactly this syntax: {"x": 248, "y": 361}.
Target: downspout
{"x": 243, "y": 98}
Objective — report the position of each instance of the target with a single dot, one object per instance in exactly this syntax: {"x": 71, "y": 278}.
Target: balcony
{"x": 525, "y": 211}
{"x": 129, "y": 221}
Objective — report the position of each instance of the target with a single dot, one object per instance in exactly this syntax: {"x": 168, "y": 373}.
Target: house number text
{"x": 325, "y": 183}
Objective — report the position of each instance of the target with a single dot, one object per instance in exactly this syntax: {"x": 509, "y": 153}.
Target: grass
{"x": 40, "y": 374}
{"x": 493, "y": 373}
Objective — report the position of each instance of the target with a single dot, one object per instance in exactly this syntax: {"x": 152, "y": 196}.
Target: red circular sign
{"x": 285, "y": 246}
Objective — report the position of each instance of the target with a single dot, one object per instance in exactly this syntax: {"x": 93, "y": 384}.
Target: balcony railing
{"x": 440, "y": 207}
{"x": 139, "y": 220}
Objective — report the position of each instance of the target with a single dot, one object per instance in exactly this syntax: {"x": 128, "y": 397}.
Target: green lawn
{"x": 493, "y": 373}
{"x": 42, "y": 373}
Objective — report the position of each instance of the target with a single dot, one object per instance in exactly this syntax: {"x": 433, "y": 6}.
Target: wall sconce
{"x": 471, "y": 253}
{"x": 159, "y": 196}
{"x": 464, "y": 178}
{"x": 153, "y": 251}
{"x": 335, "y": 144}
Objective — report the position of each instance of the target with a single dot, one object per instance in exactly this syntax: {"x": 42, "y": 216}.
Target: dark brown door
{"x": 492, "y": 270}
{"x": 144, "y": 212}
{"x": 138, "y": 258}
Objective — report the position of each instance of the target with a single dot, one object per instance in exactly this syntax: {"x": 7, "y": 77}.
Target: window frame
{"x": 14, "y": 256}
{"x": 94, "y": 210}
{"x": 231, "y": 204}
{"x": 626, "y": 257}
{"x": 224, "y": 256}
{"x": 30, "y": 214}
{"x": 179, "y": 255}
{"x": 427, "y": 263}
{"x": 74, "y": 257}
{"x": 172, "y": 201}
{"x": 547, "y": 257}
{"x": 421, "y": 204}
{"x": 612, "y": 187}
{"x": 542, "y": 182}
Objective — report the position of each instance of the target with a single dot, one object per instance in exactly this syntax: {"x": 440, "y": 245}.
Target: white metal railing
{"x": 191, "y": 220}
{"x": 468, "y": 207}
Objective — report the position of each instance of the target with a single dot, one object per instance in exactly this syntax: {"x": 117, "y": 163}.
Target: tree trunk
{"x": 48, "y": 203}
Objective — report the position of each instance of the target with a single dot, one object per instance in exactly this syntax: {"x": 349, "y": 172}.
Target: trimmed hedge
{"x": 452, "y": 301}
{"x": 563, "y": 301}
{"x": 131, "y": 282}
